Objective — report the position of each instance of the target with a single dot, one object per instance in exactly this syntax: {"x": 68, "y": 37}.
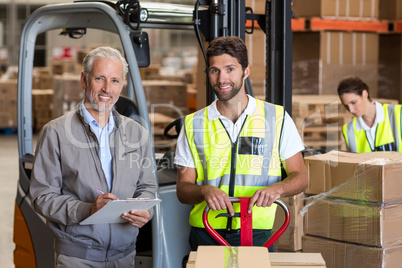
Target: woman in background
{"x": 375, "y": 126}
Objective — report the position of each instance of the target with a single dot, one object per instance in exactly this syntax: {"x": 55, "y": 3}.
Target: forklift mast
{"x": 128, "y": 18}
{"x": 228, "y": 18}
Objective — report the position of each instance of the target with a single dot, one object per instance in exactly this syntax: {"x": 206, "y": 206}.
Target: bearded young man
{"x": 234, "y": 148}
{"x": 90, "y": 150}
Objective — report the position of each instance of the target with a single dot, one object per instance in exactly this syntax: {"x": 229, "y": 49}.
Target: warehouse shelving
{"x": 320, "y": 24}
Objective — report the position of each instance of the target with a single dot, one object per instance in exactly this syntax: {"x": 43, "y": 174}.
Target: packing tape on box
{"x": 231, "y": 255}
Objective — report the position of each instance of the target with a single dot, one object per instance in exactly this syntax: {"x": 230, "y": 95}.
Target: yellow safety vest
{"x": 387, "y": 137}
{"x": 239, "y": 168}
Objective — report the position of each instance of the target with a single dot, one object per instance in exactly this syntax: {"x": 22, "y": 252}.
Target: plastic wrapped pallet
{"x": 372, "y": 224}
{"x": 291, "y": 239}
{"x": 369, "y": 177}
{"x": 340, "y": 254}
{"x": 354, "y": 215}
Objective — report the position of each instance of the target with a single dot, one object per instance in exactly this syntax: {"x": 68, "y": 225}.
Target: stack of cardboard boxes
{"x": 42, "y": 107}
{"x": 354, "y": 212}
{"x": 322, "y": 58}
{"x": 8, "y": 104}
{"x": 67, "y": 93}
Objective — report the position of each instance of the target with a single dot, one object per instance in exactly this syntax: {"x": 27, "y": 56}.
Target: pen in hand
{"x": 99, "y": 191}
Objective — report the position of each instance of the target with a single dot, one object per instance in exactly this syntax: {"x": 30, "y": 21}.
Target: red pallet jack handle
{"x": 246, "y": 233}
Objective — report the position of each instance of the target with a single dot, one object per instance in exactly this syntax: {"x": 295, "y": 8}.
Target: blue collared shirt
{"x": 103, "y": 135}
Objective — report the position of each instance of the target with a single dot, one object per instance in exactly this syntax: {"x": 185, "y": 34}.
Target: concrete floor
{"x": 9, "y": 179}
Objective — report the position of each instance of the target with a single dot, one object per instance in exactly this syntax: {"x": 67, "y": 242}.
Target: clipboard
{"x": 112, "y": 211}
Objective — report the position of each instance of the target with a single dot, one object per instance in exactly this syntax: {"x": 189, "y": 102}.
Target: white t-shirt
{"x": 370, "y": 131}
{"x": 290, "y": 142}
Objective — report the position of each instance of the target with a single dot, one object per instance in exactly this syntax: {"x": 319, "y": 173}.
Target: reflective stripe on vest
{"x": 256, "y": 162}
{"x": 357, "y": 140}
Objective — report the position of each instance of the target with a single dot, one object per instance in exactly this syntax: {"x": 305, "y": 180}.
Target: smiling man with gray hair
{"x": 85, "y": 159}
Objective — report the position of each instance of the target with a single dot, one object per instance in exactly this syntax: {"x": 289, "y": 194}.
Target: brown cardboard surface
{"x": 322, "y": 59}
{"x": 390, "y": 10}
{"x": 307, "y": 8}
{"x": 283, "y": 259}
{"x": 291, "y": 239}
{"x": 364, "y": 9}
{"x": 8, "y": 103}
{"x": 390, "y": 66}
{"x": 306, "y": 63}
{"x": 373, "y": 177}
{"x": 256, "y": 53}
{"x": 220, "y": 256}
{"x": 339, "y": 254}
{"x": 355, "y": 222}
{"x": 247, "y": 259}
{"x": 191, "y": 259}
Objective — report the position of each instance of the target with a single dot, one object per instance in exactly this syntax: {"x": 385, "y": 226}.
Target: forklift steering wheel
{"x": 177, "y": 124}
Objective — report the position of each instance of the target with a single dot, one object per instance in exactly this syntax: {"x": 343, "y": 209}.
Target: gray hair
{"x": 103, "y": 53}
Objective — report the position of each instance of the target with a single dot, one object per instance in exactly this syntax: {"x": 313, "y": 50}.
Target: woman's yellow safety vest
{"x": 250, "y": 163}
{"x": 387, "y": 137}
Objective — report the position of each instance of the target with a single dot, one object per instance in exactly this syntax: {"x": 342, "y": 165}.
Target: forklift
{"x": 163, "y": 242}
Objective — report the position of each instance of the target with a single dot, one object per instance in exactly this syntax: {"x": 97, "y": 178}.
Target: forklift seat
{"x": 126, "y": 106}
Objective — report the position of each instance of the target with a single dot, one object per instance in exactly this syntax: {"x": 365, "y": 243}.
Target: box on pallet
{"x": 372, "y": 224}
{"x": 339, "y": 254}
{"x": 245, "y": 257}
{"x": 372, "y": 177}
{"x": 322, "y": 59}
{"x": 220, "y": 256}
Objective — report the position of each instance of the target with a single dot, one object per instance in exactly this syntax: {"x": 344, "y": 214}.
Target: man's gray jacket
{"x": 67, "y": 172}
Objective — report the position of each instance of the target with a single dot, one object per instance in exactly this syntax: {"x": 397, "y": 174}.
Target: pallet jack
{"x": 128, "y": 19}
{"x": 246, "y": 221}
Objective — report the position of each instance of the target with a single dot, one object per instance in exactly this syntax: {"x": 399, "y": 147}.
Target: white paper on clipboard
{"x": 112, "y": 211}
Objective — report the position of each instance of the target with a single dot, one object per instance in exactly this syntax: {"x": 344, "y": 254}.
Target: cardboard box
{"x": 8, "y": 103}
{"x": 62, "y": 66}
{"x": 370, "y": 224}
{"x": 256, "y": 53}
{"x": 372, "y": 177}
{"x": 365, "y": 9}
{"x": 253, "y": 257}
{"x": 67, "y": 93}
{"x": 42, "y": 106}
{"x": 338, "y": 254}
{"x": 391, "y": 9}
{"x": 322, "y": 59}
{"x": 291, "y": 239}
{"x": 166, "y": 97}
{"x": 390, "y": 66}
{"x": 289, "y": 260}
{"x": 241, "y": 257}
